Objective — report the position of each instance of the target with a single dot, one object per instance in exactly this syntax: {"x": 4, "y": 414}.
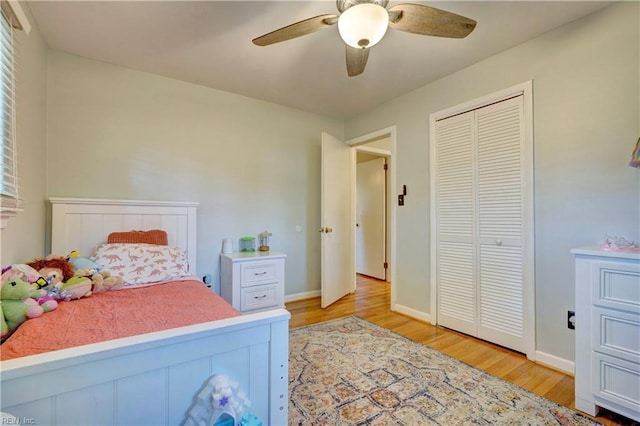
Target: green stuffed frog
{"x": 18, "y": 299}
{"x": 4, "y": 328}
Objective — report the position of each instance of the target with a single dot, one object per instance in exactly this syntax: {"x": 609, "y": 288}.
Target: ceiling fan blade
{"x": 356, "y": 60}
{"x": 297, "y": 29}
{"x": 426, "y": 20}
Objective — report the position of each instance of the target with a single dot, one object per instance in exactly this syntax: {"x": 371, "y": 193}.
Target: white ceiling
{"x": 209, "y": 43}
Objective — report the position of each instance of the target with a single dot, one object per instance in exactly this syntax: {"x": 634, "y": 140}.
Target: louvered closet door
{"x": 479, "y": 209}
{"x": 457, "y": 297}
{"x": 500, "y": 203}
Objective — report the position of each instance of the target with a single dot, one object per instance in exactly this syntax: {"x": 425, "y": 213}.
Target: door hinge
{"x": 386, "y": 166}
{"x": 386, "y": 265}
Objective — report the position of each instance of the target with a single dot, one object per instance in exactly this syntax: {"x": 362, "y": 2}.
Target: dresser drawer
{"x": 256, "y": 273}
{"x": 259, "y": 297}
{"x": 616, "y": 333}
{"x": 616, "y": 381}
{"x": 616, "y": 285}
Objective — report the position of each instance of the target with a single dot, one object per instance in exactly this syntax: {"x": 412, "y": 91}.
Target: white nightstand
{"x": 253, "y": 282}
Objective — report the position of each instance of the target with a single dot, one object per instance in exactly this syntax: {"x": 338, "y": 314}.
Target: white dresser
{"x": 607, "y": 357}
{"x": 253, "y": 282}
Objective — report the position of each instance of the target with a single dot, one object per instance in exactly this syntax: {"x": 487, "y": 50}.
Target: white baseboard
{"x": 543, "y": 358}
{"x": 301, "y": 296}
{"x": 410, "y": 312}
{"x": 555, "y": 362}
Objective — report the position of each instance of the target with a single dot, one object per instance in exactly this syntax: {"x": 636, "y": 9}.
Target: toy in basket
{"x": 220, "y": 403}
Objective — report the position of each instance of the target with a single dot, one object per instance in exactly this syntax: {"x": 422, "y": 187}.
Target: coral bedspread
{"x": 117, "y": 314}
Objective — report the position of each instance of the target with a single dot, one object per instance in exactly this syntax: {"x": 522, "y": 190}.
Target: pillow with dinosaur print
{"x": 142, "y": 264}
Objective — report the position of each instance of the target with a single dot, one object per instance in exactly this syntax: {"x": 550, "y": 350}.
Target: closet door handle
{"x": 498, "y": 242}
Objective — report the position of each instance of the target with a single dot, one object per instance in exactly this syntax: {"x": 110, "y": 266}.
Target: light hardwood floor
{"x": 371, "y": 301}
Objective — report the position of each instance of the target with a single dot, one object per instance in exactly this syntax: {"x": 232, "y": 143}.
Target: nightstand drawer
{"x": 259, "y": 297}
{"x": 256, "y": 273}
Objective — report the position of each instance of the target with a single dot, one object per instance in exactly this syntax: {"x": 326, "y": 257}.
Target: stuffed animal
{"x": 81, "y": 262}
{"x": 25, "y": 273}
{"x": 101, "y": 280}
{"x": 33, "y": 277}
{"x": 4, "y": 328}
{"x": 54, "y": 269}
{"x": 59, "y": 273}
{"x": 74, "y": 288}
{"x": 104, "y": 281}
{"x": 18, "y": 303}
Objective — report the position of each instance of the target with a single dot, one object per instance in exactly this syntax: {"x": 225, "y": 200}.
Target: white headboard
{"x": 82, "y": 224}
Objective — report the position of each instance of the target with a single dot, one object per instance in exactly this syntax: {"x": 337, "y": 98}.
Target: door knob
{"x": 325, "y": 230}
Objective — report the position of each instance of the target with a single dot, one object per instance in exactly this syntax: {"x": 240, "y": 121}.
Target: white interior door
{"x": 337, "y": 236}
{"x": 370, "y": 218}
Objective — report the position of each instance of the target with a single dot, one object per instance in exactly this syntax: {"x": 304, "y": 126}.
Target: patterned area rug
{"x": 352, "y": 372}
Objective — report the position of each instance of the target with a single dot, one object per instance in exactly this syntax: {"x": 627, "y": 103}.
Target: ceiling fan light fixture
{"x": 363, "y": 25}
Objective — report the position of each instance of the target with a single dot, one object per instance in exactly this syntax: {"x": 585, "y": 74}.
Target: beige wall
{"x": 585, "y": 95}
{"x": 24, "y": 238}
{"x": 117, "y": 133}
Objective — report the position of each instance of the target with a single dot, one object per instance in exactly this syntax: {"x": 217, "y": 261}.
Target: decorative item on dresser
{"x": 607, "y": 349}
{"x": 253, "y": 281}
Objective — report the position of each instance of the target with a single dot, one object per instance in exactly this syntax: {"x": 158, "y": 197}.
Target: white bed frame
{"x": 151, "y": 379}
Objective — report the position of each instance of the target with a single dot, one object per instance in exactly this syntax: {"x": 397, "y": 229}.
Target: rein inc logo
{"x": 8, "y": 419}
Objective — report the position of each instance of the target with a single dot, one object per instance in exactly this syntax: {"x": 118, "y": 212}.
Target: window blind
{"x": 9, "y": 194}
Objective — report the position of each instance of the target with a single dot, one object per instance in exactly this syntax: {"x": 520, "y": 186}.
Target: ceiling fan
{"x": 363, "y": 23}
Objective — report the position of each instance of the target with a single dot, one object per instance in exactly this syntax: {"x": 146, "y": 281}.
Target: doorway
{"x": 371, "y": 214}
{"x": 381, "y": 144}
{"x": 338, "y": 212}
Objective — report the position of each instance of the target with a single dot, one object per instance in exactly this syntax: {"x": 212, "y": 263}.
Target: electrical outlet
{"x": 207, "y": 280}
{"x": 571, "y": 320}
